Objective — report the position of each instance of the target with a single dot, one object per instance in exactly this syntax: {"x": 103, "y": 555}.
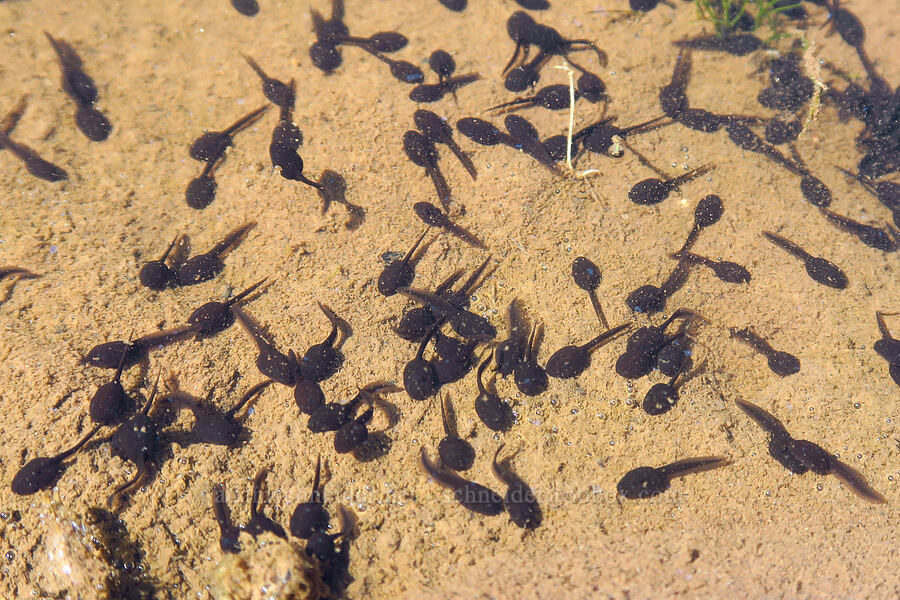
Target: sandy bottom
{"x": 167, "y": 71}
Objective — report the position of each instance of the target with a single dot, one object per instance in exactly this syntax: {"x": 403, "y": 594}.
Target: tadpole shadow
{"x": 334, "y": 189}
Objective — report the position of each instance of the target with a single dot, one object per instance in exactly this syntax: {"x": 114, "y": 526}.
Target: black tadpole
{"x": 587, "y": 276}
{"x": 491, "y": 410}
{"x": 216, "y": 317}
{"x": 473, "y": 496}
{"x": 248, "y": 8}
{"x": 467, "y": 324}
{"x": 646, "y": 482}
{"x": 420, "y": 379}
{"x": 781, "y": 363}
{"x": 109, "y": 402}
{"x": 800, "y": 456}
{"x": 888, "y": 347}
{"x": 201, "y": 191}
{"x": 421, "y": 151}
{"x": 106, "y": 355}
{"x": 519, "y": 500}
{"x": 572, "y": 361}
{"x": 310, "y": 517}
{"x": 511, "y": 350}
{"x": 438, "y": 131}
{"x": 529, "y": 375}
{"x": 432, "y": 216}
{"x": 37, "y": 166}
{"x": 455, "y": 452}
{"x": 80, "y": 87}
{"x": 819, "y": 269}
{"x": 271, "y": 362}
{"x": 207, "y": 265}
{"x": 211, "y": 145}
{"x": 323, "y": 360}
{"x": 653, "y": 191}
{"x": 277, "y": 92}
{"x": 135, "y": 440}
{"x": 707, "y": 212}
{"x": 727, "y": 271}
{"x": 661, "y": 398}
{"x": 40, "y": 473}
{"x": 887, "y": 241}
{"x": 156, "y": 274}
{"x": 399, "y": 272}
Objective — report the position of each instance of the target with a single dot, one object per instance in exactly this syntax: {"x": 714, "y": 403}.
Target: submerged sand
{"x": 167, "y": 71}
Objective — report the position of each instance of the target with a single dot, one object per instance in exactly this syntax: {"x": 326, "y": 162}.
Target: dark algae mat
{"x": 449, "y": 299}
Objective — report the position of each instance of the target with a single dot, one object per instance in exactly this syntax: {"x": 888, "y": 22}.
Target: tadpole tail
{"x": 440, "y": 186}
{"x": 856, "y": 482}
{"x": 693, "y": 465}
{"x": 595, "y": 302}
{"x": 787, "y": 245}
{"x": 78, "y": 446}
{"x": 255, "y": 66}
{"x": 464, "y": 159}
{"x": 117, "y": 493}
{"x": 246, "y": 292}
{"x": 246, "y": 121}
{"x": 606, "y": 337}
{"x": 233, "y": 238}
{"x": 762, "y": 417}
{"x": 248, "y": 396}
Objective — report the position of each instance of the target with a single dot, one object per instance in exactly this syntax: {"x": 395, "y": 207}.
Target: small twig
{"x": 571, "y": 73}
{"x": 814, "y": 72}
{"x": 569, "y": 138}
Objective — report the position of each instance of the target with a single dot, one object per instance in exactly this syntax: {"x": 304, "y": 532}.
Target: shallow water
{"x": 167, "y": 71}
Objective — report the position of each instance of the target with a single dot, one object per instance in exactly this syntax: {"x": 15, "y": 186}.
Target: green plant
{"x": 727, "y": 15}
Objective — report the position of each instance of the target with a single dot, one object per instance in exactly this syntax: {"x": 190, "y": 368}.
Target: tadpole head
{"x": 456, "y": 453}
{"x": 201, "y": 192}
{"x": 325, "y": 56}
{"x": 660, "y": 399}
{"x": 407, "y": 72}
{"x": 530, "y": 378}
{"x": 320, "y": 362}
{"x": 388, "y": 41}
{"x": 109, "y": 403}
{"x": 37, "y": 474}
{"x": 708, "y": 211}
{"x": 650, "y": 191}
{"x": 156, "y": 275}
{"x": 420, "y": 379}
{"x": 568, "y": 362}
{"x": 642, "y": 482}
{"x": 92, "y": 123}
{"x": 586, "y": 274}
{"x": 783, "y": 363}
{"x": 308, "y": 396}
{"x": 520, "y": 78}
{"x": 646, "y": 299}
